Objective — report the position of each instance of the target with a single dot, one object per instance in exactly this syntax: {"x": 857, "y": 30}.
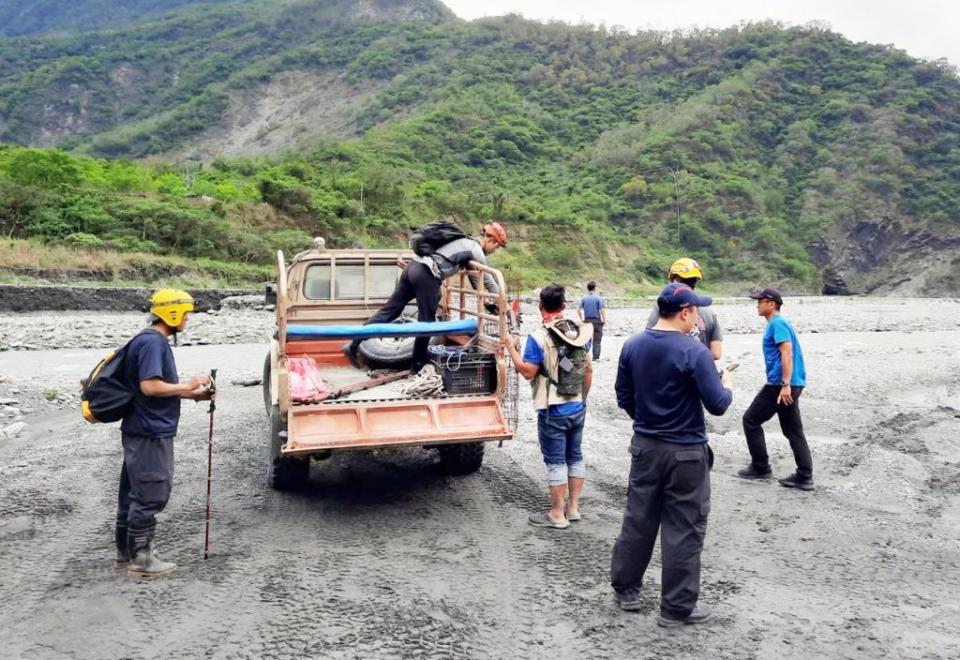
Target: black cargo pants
{"x": 764, "y": 407}
{"x": 146, "y": 480}
{"x": 597, "y": 336}
{"x": 669, "y": 491}
{"x": 416, "y": 282}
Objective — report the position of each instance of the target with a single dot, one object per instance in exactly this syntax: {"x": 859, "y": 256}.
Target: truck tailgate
{"x": 395, "y": 423}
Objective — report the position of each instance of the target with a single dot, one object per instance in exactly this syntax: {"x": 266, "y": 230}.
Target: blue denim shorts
{"x": 560, "y": 440}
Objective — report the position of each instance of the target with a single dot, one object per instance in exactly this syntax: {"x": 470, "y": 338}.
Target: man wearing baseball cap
{"x": 664, "y": 381}
{"x": 786, "y": 378}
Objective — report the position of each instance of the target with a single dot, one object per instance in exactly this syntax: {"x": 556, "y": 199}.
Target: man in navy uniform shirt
{"x": 664, "y": 381}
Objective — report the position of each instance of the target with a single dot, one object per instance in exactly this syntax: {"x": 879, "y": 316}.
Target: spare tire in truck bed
{"x": 388, "y": 352}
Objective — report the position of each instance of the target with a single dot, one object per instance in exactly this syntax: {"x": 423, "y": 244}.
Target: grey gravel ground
{"x": 383, "y": 556}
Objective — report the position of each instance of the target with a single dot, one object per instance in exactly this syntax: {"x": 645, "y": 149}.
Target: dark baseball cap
{"x": 677, "y": 296}
{"x": 767, "y": 294}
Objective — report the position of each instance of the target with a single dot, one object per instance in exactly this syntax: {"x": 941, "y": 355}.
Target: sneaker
{"x": 699, "y": 614}
{"x": 796, "y": 481}
{"x": 629, "y": 599}
{"x": 544, "y": 520}
{"x": 751, "y": 472}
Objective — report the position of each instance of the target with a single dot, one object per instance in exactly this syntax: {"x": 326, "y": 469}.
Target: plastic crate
{"x": 470, "y": 371}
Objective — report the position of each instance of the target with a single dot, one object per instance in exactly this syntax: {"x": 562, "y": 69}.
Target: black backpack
{"x": 571, "y": 357}
{"x": 106, "y": 395}
{"x": 432, "y": 236}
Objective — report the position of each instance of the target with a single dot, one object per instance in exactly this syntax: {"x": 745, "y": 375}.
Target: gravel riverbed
{"x": 384, "y": 556}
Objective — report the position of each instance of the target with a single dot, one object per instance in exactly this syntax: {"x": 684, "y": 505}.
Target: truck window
{"x": 349, "y": 285}
{"x": 316, "y": 283}
{"x": 349, "y": 281}
{"x": 382, "y": 280}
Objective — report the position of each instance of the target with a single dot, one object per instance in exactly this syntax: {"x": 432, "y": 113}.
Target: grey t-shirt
{"x": 450, "y": 258}
{"x": 706, "y": 330}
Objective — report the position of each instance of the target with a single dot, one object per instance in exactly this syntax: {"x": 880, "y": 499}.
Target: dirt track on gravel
{"x": 383, "y": 556}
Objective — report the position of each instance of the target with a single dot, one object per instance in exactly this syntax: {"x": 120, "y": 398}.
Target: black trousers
{"x": 597, "y": 336}
{"x": 669, "y": 491}
{"x": 146, "y": 480}
{"x": 418, "y": 282}
{"x": 764, "y": 407}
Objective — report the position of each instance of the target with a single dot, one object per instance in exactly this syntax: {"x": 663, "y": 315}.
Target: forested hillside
{"x": 800, "y": 157}
{"x": 30, "y": 17}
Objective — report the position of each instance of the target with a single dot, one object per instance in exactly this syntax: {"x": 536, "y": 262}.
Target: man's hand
{"x": 198, "y": 381}
{"x": 785, "y": 398}
{"x": 726, "y": 379}
{"x": 202, "y": 394}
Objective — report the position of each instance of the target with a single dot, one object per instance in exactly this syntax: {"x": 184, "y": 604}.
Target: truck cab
{"x": 363, "y": 410}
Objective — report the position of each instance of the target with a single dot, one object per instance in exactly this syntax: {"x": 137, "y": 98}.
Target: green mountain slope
{"x": 800, "y": 157}
{"x": 32, "y": 17}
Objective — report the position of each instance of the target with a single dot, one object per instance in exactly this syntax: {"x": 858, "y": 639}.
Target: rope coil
{"x": 426, "y": 383}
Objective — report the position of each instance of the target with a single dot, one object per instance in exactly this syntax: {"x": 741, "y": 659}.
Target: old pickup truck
{"x": 337, "y": 290}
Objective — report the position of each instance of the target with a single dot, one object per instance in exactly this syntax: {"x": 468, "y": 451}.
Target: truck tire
{"x": 464, "y": 458}
{"x": 387, "y": 352}
{"x": 267, "y": 396}
{"x": 285, "y": 473}
{"x": 390, "y": 352}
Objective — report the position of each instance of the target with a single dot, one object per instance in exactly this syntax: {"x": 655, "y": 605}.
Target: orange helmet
{"x": 496, "y": 231}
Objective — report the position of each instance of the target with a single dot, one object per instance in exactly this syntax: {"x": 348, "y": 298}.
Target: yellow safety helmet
{"x": 171, "y": 306}
{"x": 686, "y": 268}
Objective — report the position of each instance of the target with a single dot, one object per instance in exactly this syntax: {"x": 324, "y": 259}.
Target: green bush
{"x": 81, "y": 240}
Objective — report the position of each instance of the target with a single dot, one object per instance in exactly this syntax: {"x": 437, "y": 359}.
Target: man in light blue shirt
{"x": 786, "y": 378}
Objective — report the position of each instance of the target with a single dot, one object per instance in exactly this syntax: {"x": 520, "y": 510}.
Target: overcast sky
{"x": 924, "y": 28}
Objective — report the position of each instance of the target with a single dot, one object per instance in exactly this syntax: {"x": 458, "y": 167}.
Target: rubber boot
{"x": 143, "y": 562}
{"x": 122, "y": 541}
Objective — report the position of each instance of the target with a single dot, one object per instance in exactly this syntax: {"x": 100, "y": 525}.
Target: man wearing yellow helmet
{"x": 147, "y": 431}
{"x": 707, "y": 330}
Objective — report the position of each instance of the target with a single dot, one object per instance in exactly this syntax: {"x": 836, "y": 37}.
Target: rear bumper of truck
{"x": 381, "y": 424}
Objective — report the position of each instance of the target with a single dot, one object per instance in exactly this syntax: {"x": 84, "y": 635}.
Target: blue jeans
{"x": 560, "y": 439}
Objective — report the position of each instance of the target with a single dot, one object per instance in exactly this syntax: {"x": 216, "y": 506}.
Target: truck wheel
{"x": 267, "y": 397}
{"x": 285, "y": 473}
{"x": 390, "y": 352}
{"x": 387, "y": 352}
{"x": 465, "y": 458}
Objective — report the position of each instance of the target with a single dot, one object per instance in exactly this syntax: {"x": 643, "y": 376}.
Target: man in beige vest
{"x": 556, "y": 361}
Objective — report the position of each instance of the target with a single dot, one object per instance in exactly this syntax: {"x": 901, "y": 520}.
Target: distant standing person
{"x": 593, "y": 311}
{"x": 786, "y": 378}
{"x": 664, "y": 381}
{"x": 707, "y": 330}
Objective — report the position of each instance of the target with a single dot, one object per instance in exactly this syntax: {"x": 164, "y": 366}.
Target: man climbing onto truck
{"x": 442, "y": 249}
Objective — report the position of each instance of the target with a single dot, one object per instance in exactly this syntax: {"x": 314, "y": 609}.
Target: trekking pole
{"x": 213, "y": 407}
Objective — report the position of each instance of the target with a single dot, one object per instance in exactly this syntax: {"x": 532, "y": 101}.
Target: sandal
{"x": 544, "y": 520}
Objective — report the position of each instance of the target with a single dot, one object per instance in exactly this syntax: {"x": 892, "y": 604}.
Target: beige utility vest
{"x": 545, "y": 392}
